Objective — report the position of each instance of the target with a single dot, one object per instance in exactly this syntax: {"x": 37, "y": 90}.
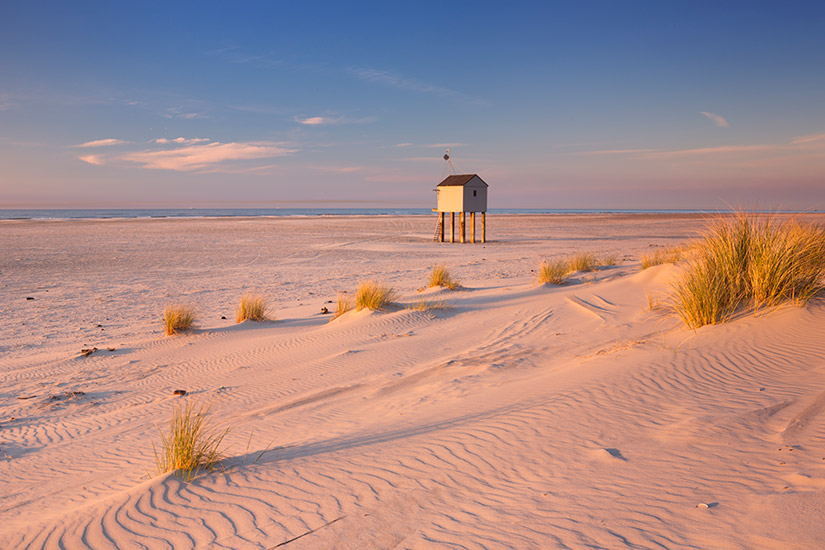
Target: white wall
{"x": 454, "y": 198}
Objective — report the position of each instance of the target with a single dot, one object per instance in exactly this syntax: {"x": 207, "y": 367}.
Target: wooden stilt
{"x": 461, "y": 224}
{"x": 441, "y": 237}
{"x": 473, "y": 227}
{"x": 484, "y": 227}
{"x": 452, "y": 227}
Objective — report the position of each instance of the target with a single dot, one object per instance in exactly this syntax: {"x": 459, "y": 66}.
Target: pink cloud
{"x": 338, "y": 169}
{"x": 181, "y": 140}
{"x": 102, "y": 143}
{"x": 97, "y": 160}
{"x": 617, "y": 152}
{"x": 718, "y": 120}
{"x": 200, "y": 157}
{"x": 312, "y": 121}
{"x": 808, "y": 139}
{"x": 703, "y": 151}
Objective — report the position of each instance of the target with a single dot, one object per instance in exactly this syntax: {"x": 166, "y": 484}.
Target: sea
{"x": 135, "y": 213}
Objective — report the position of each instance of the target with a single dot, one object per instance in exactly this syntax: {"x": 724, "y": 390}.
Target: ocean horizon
{"x": 141, "y": 213}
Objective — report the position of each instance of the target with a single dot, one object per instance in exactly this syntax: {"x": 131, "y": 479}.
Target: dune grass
{"x": 553, "y": 272}
{"x": 584, "y": 261}
{"x": 178, "y": 318}
{"x": 374, "y": 296}
{"x": 427, "y": 305}
{"x": 252, "y": 307}
{"x": 441, "y": 277}
{"x": 344, "y": 304}
{"x": 749, "y": 262}
{"x": 192, "y": 443}
{"x": 669, "y": 255}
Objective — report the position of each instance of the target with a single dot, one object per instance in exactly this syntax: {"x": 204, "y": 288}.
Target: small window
{"x": 474, "y": 192}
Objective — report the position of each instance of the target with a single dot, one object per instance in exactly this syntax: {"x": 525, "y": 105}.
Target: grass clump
{"x": 192, "y": 443}
{"x": 252, "y": 307}
{"x": 178, "y": 318}
{"x": 663, "y": 256}
{"x": 374, "y": 296}
{"x": 344, "y": 304}
{"x": 750, "y": 262}
{"x": 441, "y": 277}
{"x": 553, "y": 272}
{"x": 427, "y": 305}
{"x": 584, "y": 261}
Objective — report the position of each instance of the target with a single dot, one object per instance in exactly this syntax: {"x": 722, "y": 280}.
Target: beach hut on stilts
{"x": 462, "y": 194}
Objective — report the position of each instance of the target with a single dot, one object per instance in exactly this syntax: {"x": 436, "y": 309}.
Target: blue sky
{"x": 556, "y": 105}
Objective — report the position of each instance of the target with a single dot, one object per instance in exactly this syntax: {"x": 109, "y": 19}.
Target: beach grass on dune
{"x": 669, "y": 255}
{"x": 192, "y": 443}
{"x": 584, "y": 261}
{"x": 427, "y": 305}
{"x": 441, "y": 277}
{"x": 552, "y": 272}
{"x": 178, "y": 318}
{"x": 344, "y": 304}
{"x": 252, "y": 307}
{"x": 374, "y": 296}
{"x": 749, "y": 262}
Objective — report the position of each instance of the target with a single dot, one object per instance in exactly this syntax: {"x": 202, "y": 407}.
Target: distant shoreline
{"x": 200, "y": 213}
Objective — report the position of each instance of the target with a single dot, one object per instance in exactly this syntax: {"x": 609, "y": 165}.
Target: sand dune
{"x": 521, "y": 417}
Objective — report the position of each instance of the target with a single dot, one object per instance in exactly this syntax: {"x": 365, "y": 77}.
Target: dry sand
{"x": 522, "y": 417}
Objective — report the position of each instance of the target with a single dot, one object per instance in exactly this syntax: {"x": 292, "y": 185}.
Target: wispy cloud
{"x": 332, "y": 120}
{"x": 808, "y": 139}
{"x": 339, "y": 169}
{"x": 446, "y": 145}
{"x": 718, "y": 120}
{"x": 399, "y": 178}
{"x": 102, "y": 143}
{"x": 393, "y": 80}
{"x": 207, "y": 156}
{"x": 403, "y": 144}
{"x": 97, "y": 160}
{"x": 616, "y": 152}
{"x": 400, "y": 82}
{"x": 802, "y": 149}
{"x": 180, "y": 141}
{"x": 713, "y": 151}
{"x": 313, "y": 121}
{"x": 176, "y": 112}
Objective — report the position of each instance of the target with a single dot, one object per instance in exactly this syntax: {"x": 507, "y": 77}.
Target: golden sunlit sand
{"x": 517, "y": 415}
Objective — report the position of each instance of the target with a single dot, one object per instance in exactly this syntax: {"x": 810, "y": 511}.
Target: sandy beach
{"x": 522, "y": 416}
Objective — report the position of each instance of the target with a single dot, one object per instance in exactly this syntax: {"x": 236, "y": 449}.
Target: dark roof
{"x": 459, "y": 180}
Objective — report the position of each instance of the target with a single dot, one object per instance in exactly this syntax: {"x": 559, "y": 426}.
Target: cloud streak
{"x": 181, "y": 141}
{"x": 397, "y": 81}
{"x": 338, "y": 169}
{"x": 101, "y": 143}
{"x": 91, "y": 159}
{"x": 716, "y": 119}
{"x": 332, "y": 120}
{"x": 207, "y": 156}
{"x": 798, "y": 154}
{"x": 400, "y": 82}
{"x": 314, "y": 121}
{"x": 808, "y": 139}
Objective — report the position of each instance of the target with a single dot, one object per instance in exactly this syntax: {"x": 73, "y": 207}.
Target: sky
{"x": 637, "y": 104}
